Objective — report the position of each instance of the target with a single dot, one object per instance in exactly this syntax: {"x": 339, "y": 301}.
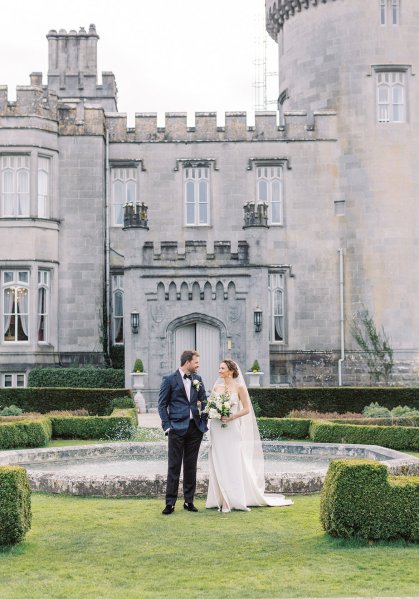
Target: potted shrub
{"x": 138, "y": 374}
{"x": 254, "y": 373}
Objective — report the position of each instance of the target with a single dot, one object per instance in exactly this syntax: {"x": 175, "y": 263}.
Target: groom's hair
{"x": 187, "y": 356}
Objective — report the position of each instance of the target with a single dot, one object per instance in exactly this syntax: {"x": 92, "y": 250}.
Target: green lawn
{"x": 100, "y": 548}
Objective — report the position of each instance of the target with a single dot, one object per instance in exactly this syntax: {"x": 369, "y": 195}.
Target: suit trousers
{"x": 183, "y": 448}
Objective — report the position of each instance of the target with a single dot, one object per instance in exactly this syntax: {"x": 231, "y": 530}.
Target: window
{"x": 15, "y": 285}
{"x": 124, "y": 191}
{"x": 270, "y": 191}
{"x": 43, "y": 305}
{"x": 390, "y": 12}
{"x": 276, "y": 292}
{"x": 14, "y": 186}
{"x": 14, "y": 379}
{"x": 196, "y": 181}
{"x": 43, "y": 187}
{"x": 391, "y": 107}
{"x": 118, "y": 309}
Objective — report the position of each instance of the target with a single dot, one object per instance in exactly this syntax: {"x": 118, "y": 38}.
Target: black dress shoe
{"x": 189, "y": 506}
{"x": 169, "y": 509}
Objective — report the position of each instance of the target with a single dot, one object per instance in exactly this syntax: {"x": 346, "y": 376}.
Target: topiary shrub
{"x": 275, "y": 429}
{"x": 138, "y": 366}
{"x": 15, "y": 504}
{"x": 359, "y": 500}
{"x": 25, "y": 433}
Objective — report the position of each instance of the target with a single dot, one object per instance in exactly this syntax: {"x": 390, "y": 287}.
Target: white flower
{"x": 214, "y": 413}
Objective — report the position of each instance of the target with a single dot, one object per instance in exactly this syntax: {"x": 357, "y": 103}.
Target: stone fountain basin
{"x": 139, "y": 469}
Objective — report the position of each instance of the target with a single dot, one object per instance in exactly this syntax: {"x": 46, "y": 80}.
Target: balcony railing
{"x": 255, "y": 215}
{"x": 135, "y": 216}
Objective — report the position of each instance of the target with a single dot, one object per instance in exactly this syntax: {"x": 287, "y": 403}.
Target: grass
{"x": 125, "y": 549}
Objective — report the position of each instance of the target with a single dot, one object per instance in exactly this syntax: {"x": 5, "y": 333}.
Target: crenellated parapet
{"x": 194, "y": 253}
{"x": 296, "y": 125}
{"x": 31, "y": 101}
{"x": 278, "y": 11}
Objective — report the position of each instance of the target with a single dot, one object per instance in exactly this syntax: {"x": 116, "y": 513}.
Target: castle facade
{"x": 256, "y": 242}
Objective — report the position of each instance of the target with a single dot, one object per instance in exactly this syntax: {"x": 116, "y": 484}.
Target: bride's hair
{"x": 232, "y": 366}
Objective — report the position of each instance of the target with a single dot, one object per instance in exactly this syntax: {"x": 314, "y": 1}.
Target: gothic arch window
{"x": 269, "y": 190}
{"x": 14, "y": 185}
{"x": 277, "y": 307}
{"x": 184, "y": 291}
{"x": 160, "y": 292}
{"x": 15, "y": 294}
{"x": 117, "y": 309}
{"x": 231, "y": 291}
{"x": 123, "y": 191}
{"x": 219, "y": 291}
{"x": 172, "y": 291}
{"x": 389, "y": 12}
{"x": 196, "y": 291}
{"x": 207, "y": 291}
{"x": 196, "y": 180}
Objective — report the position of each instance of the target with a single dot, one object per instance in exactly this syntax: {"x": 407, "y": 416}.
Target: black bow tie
{"x": 187, "y": 376}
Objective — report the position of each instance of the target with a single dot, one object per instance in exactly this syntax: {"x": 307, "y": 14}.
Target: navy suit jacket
{"x": 174, "y": 407}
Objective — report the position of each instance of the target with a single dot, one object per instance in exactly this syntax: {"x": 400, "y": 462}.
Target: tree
{"x": 375, "y": 345}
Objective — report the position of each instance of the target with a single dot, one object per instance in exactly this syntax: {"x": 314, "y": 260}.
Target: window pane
{"x": 131, "y": 189}
{"x": 203, "y": 214}
{"x": 190, "y": 192}
{"x": 190, "y": 214}
{"x": 203, "y": 192}
{"x": 262, "y": 191}
{"x": 8, "y": 380}
{"x": 42, "y": 194}
{"x": 20, "y": 380}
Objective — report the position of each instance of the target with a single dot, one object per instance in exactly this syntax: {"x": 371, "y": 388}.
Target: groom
{"x": 182, "y": 396}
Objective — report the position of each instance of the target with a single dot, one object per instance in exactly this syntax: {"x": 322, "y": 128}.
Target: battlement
{"x": 194, "y": 253}
{"x": 278, "y": 11}
{"x": 31, "y": 100}
{"x": 297, "y": 125}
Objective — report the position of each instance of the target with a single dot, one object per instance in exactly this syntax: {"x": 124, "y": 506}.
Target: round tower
{"x": 360, "y": 59}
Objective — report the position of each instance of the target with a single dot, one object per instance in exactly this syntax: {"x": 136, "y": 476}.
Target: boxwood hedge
{"x": 120, "y": 425}
{"x": 393, "y": 437}
{"x": 277, "y": 428}
{"x": 15, "y": 504}
{"x": 360, "y": 500}
{"x": 278, "y": 402}
{"x": 92, "y": 378}
{"x": 25, "y": 433}
{"x": 95, "y": 401}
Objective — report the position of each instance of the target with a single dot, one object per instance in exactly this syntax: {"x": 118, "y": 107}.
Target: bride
{"x": 236, "y": 469}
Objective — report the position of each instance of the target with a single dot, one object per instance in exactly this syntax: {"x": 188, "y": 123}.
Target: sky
{"x": 167, "y": 56}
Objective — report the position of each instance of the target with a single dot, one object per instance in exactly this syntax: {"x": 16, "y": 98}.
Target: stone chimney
{"x": 72, "y": 68}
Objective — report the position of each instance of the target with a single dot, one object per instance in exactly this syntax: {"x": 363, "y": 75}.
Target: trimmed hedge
{"x": 122, "y": 403}
{"x": 409, "y": 421}
{"x": 92, "y": 378}
{"x": 393, "y": 437}
{"x": 25, "y": 433}
{"x": 121, "y": 425}
{"x": 15, "y": 504}
{"x": 276, "y": 428}
{"x": 359, "y": 500}
{"x": 278, "y": 402}
{"x": 95, "y": 401}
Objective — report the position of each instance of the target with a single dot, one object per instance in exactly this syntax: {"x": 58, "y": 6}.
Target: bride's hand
{"x": 226, "y": 418}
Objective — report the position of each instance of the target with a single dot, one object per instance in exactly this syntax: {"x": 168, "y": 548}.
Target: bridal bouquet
{"x": 218, "y": 405}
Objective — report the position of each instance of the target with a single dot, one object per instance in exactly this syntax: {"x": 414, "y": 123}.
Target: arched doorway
{"x": 205, "y": 338}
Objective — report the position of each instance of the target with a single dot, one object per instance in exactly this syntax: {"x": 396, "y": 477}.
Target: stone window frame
{"x": 16, "y": 283}
{"x": 117, "y": 288}
{"x": 282, "y": 163}
{"x": 6, "y": 165}
{"x": 136, "y": 166}
{"x": 379, "y": 72}
{"x": 208, "y": 164}
{"x": 272, "y": 289}
{"x": 43, "y": 305}
{"x": 389, "y": 12}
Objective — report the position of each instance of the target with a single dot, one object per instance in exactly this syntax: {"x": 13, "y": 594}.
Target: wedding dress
{"x": 236, "y": 469}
